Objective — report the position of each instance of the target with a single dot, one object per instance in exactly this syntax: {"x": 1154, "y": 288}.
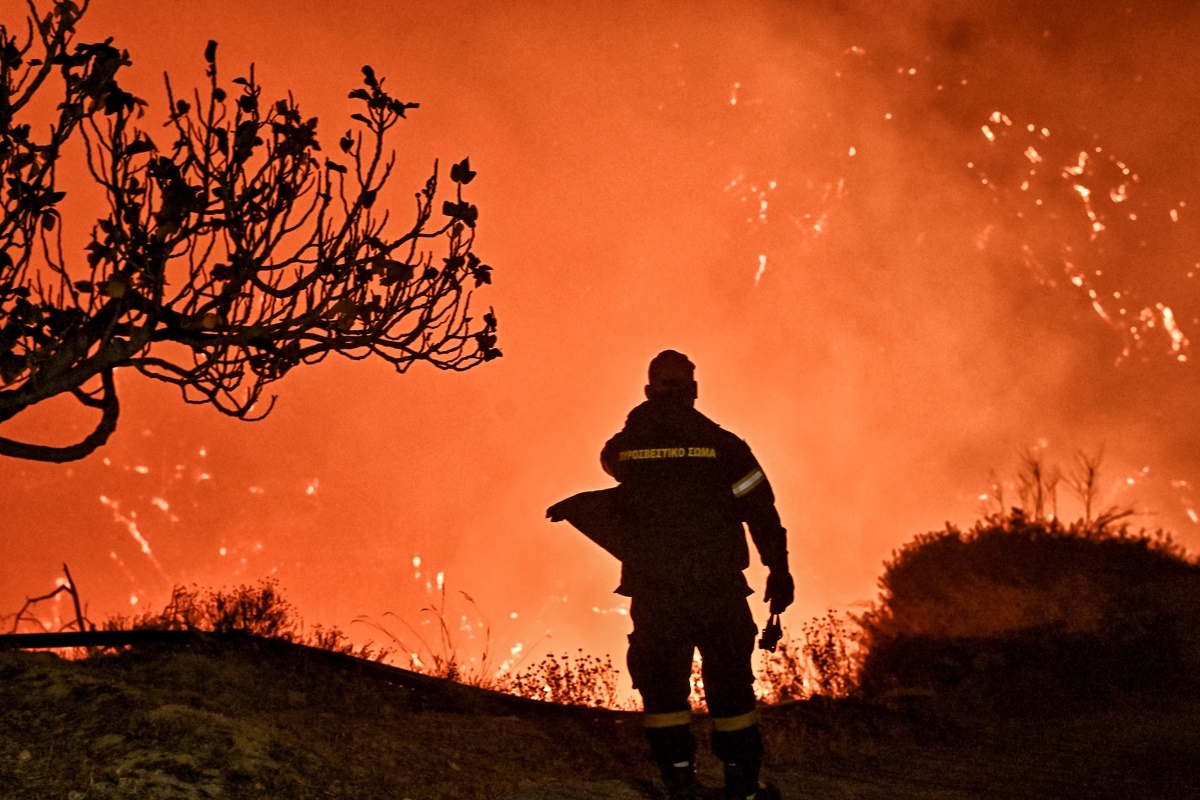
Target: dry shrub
{"x": 584, "y": 680}
{"x": 822, "y": 661}
{"x": 252, "y": 610}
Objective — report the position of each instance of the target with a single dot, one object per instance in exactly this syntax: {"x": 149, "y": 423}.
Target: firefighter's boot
{"x": 674, "y": 750}
{"x": 742, "y": 783}
{"x": 738, "y": 743}
{"x": 680, "y": 780}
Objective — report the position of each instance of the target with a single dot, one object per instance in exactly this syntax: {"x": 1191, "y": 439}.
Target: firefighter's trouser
{"x": 666, "y": 633}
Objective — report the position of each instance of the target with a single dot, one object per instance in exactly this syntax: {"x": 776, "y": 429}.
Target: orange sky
{"x": 824, "y": 210}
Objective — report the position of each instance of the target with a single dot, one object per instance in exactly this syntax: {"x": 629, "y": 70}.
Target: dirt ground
{"x": 252, "y": 720}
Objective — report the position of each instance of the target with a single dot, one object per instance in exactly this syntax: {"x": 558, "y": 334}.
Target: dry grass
{"x": 263, "y": 719}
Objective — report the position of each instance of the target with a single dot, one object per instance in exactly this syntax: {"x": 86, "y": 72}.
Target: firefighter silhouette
{"x": 675, "y": 521}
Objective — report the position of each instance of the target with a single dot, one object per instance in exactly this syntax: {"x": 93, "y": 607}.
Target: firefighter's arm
{"x": 766, "y": 530}
{"x": 756, "y": 507}
{"x": 610, "y": 461}
{"x": 771, "y": 540}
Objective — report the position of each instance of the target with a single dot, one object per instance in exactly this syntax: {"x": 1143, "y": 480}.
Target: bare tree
{"x": 1084, "y": 480}
{"x": 993, "y": 501}
{"x": 1037, "y": 486}
{"x": 224, "y": 258}
{"x": 80, "y": 622}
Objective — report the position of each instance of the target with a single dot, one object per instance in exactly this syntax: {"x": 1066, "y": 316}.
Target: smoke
{"x": 801, "y": 196}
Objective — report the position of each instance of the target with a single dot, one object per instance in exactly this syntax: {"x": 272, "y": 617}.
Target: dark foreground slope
{"x": 262, "y": 719}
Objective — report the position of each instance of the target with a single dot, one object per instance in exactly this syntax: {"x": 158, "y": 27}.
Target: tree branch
{"x": 104, "y": 429}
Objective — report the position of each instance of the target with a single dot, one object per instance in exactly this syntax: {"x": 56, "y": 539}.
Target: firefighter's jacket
{"x": 686, "y": 487}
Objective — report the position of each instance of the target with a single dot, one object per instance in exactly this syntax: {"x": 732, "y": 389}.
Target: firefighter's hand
{"x": 554, "y": 513}
{"x": 781, "y": 590}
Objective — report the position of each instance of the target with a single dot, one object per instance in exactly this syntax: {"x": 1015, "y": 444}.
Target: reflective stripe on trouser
{"x": 668, "y": 720}
{"x": 730, "y": 724}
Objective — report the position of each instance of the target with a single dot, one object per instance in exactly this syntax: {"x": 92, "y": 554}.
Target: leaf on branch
{"x": 11, "y": 367}
{"x": 210, "y": 51}
{"x": 368, "y": 198}
{"x": 141, "y": 145}
{"x": 20, "y": 161}
{"x": 461, "y": 211}
{"x": 487, "y": 345}
{"x": 116, "y": 288}
{"x": 99, "y": 252}
{"x": 359, "y": 94}
{"x": 345, "y": 310}
{"x": 346, "y": 142}
{"x": 10, "y": 56}
{"x": 245, "y": 139}
{"x": 182, "y": 107}
{"x": 461, "y": 172}
{"x": 118, "y": 101}
{"x": 398, "y": 108}
{"x": 49, "y": 219}
{"x": 369, "y": 77}
{"x": 397, "y": 271}
{"x": 219, "y": 95}
{"x": 84, "y": 286}
{"x": 333, "y": 165}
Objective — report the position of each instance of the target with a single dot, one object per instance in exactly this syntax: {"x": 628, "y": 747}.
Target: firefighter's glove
{"x": 781, "y": 590}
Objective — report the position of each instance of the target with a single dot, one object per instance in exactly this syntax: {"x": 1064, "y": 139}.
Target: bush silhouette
{"x": 1021, "y": 609}
{"x": 252, "y": 610}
